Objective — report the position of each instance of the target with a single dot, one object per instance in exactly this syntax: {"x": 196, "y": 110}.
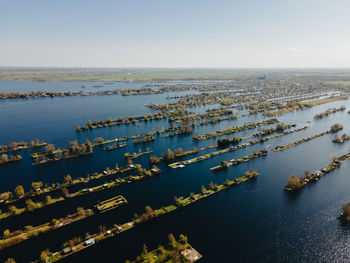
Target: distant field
{"x": 119, "y": 74}
{"x": 142, "y": 74}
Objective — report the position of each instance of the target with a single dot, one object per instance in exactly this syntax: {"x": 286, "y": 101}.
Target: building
{"x": 89, "y": 242}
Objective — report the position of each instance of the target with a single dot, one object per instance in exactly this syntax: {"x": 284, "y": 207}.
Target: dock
{"x": 111, "y": 203}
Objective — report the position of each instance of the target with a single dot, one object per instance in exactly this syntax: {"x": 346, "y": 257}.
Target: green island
{"x": 334, "y": 128}
{"x": 176, "y": 251}
{"x": 306, "y": 105}
{"x": 178, "y": 115}
{"x": 329, "y": 112}
{"x": 77, "y": 244}
{"x": 135, "y": 155}
{"x": 226, "y": 164}
{"x": 15, "y": 237}
{"x": 341, "y": 139}
{"x": 235, "y": 129}
{"x": 38, "y": 189}
{"x": 145, "y": 140}
{"x": 31, "y": 205}
{"x": 114, "y": 146}
{"x": 22, "y": 145}
{"x": 177, "y": 153}
{"x": 4, "y": 159}
{"x": 182, "y": 164}
{"x": 295, "y": 183}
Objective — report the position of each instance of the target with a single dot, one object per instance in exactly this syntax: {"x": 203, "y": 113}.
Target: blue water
{"x": 253, "y": 222}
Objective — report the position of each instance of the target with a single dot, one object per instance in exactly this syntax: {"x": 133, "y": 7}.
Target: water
{"x": 253, "y": 222}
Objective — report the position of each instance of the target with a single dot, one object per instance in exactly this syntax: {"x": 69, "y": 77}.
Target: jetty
{"x": 111, "y": 203}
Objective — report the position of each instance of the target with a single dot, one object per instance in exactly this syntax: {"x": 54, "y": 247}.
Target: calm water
{"x": 253, "y": 222}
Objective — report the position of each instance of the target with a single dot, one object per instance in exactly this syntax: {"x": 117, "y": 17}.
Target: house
{"x": 66, "y": 250}
{"x": 89, "y": 242}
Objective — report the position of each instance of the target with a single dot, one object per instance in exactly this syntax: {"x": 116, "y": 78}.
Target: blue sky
{"x": 164, "y": 33}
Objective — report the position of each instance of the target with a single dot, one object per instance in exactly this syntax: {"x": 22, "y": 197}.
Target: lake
{"x": 252, "y": 222}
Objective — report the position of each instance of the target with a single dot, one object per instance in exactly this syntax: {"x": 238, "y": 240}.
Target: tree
{"x": 293, "y": 183}
{"x": 211, "y": 185}
{"x": 28, "y": 228}
{"x": 183, "y": 239}
{"x": 13, "y": 209}
{"x": 128, "y": 161}
{"x": 169, "y": 155}
{"x": 149, "y": 211}
{"x": 345, "y": 212}
{"x": 172, "y": 240}
{"x": 64, "y": 191}
{"x": 48, "y": 199}
{"x": 6, "y": 233}
{"x": 102, "y": 229}
{"x": 336, "y": 127}
{"x": 31, "y": 205}
{"x": 80, "y": 210}
{"x": 4, "y": 158}
{"x": 19, "y": 190}
{"x": 50, "y": 148}
{"x": 68, "y": 178}
{"x": 5, "y": 196}
{"x": 203, "y": 189}
{"x": 36, "y": 185}
{"x": 280, "y": 126}
{"x": 44, "y": 254}
{"x": 54, "y": 222}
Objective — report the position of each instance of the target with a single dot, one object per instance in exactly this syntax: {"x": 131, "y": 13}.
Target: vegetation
{"x": 235, "y": 129}
{"x": 226, "y": 164}
{"x": 336, "y": 127}
{"x": 233, "y": 148}
{"x": 12, "y": 238}
{"x": 328, "y": 112}
{"x": 18, "y": 146}
{"x": 4, "y": 158}
{"x": 295, "y": 143}
{"x": 294, "y": 183}
{"x": 176, "y": 251}
{"x": 345, "y": 214}
{"x": 77, "y": 244}
{"x": 341, "y": 139}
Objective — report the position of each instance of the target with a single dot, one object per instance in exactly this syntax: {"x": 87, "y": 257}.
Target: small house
{"x": 89, "y": 242}
{"x": 66, "y": 250}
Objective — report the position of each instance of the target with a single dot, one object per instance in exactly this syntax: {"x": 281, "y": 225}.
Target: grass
{"x": 327, "y": 100}
{"x": 119, "y": 74}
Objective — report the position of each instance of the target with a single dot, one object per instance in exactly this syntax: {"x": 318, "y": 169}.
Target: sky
{"x": 178, "y": 33}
